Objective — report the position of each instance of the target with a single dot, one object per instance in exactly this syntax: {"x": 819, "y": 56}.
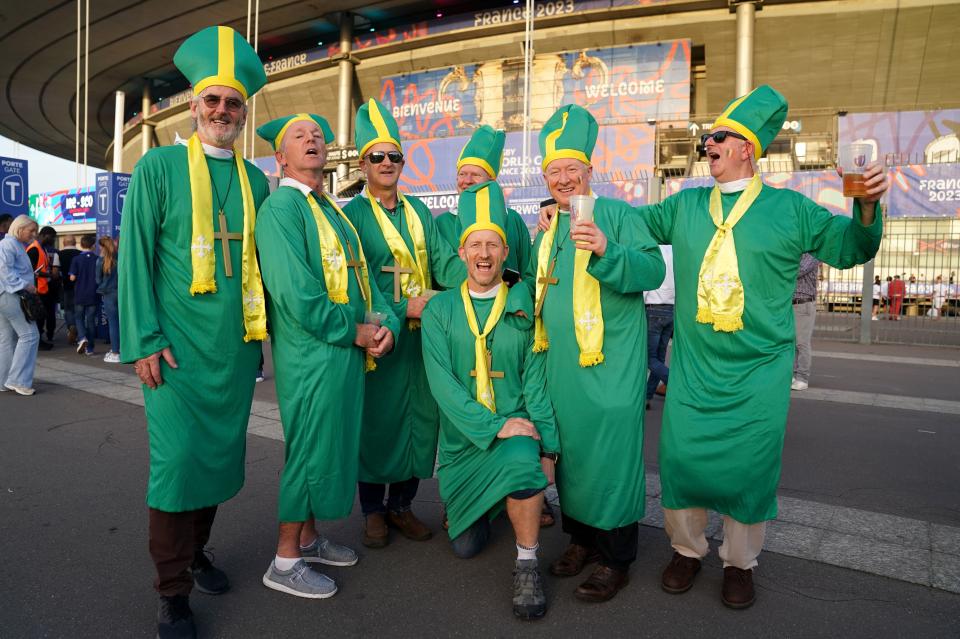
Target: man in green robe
{"x": 321, "y": 310}
{"x": 480, "y": 160}
{"x": 495, "y": 417}
{"x": 589, "y": 284}
{"x": 192, "y": 315}
{"x": 737, "y": 247}
{"x": 398, "y": 442}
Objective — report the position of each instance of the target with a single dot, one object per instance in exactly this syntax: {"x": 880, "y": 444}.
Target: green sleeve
{"x": 632, "y": 262}
{"x": 139, "y": 231}
{"x": 295, "y": 290}
{"x": 840, "y": 241}
{"x": 467, "y": 415}
{"x": 660, "y": 217}
{"x": 445, "y": 264}
{"x": 536, "y": 399}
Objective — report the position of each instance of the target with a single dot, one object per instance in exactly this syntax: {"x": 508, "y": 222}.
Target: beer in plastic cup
{"x": 853, "y": 160}
{"x": 581, "y": 210}
{"x": 374, "y": 317}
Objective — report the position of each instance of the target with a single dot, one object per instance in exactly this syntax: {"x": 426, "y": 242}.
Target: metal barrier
{"x": 923, "y": 255}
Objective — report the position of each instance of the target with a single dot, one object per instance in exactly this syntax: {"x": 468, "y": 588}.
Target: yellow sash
{"x": 720, "y": 296}
{"x": 335, "y": 270}
{"x": 587, "y": 311}
{"x": 415, "y": 283}
{"x": 484, "y": 386}
{"x": 201, "y": 241}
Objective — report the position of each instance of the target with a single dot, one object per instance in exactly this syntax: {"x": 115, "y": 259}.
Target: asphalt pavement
{"x": 867, "y": 543}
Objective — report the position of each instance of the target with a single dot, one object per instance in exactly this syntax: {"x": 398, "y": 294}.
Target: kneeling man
{"x": 498, "y": 438}
{"x": 320, "y": 299}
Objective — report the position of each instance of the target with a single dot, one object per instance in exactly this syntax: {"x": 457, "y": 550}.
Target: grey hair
{"x": 19, "y": 223}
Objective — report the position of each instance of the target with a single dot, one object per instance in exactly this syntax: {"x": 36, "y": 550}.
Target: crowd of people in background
{"x": 37, "y": 280}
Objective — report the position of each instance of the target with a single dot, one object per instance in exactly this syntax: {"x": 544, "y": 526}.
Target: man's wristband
{"x": 551, "y": 456}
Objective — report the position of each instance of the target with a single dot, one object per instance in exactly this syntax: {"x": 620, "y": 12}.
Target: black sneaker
{"x": 207, "y": 578}
{"x": 175, "y": 619}
{"x": 529, "y": 600}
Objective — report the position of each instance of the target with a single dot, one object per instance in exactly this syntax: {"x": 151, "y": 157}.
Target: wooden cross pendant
{"x": 492, "y": 373}
{"x": 224, "y": 238}
{"x": 396, "y": 270}
{"x": 356, "y": 265}
{"x": 547, "y": 281}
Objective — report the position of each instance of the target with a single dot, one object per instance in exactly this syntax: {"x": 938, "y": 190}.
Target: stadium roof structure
{"x": 132, "y": 42}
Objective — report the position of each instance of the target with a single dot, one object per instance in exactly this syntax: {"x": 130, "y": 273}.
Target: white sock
{"x": 524, "y": 553}
{"x": 285, "y": 563}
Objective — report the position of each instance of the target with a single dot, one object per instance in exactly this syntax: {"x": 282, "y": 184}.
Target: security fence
{"x": 913, "y": 296}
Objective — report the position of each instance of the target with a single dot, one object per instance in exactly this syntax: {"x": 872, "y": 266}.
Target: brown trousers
{"x": 174, "y": 540}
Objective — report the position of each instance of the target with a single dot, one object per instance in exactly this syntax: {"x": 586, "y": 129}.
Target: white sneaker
{"x": 112, "y": 358}
{"x": 20, "y": 390}
{"x": 798, "y": 385}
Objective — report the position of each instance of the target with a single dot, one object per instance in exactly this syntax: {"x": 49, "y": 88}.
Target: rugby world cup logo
{"x": 860, "y": 160}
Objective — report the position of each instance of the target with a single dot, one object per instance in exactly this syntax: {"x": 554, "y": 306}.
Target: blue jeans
{"x": 659, "y": 332}
{"x": 18, "y": 343}
{"x": 86, "y": 324}
{"x": 68, "y": 308}
{"x": 112, "y": 311}
{"x": 471, "y": 541}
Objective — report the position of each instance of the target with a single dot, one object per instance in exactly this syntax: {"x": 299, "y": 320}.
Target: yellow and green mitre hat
{"x": 274, "y": 130}
{"x": 758, "y": 116}
{"x": 570, "y": 133}
{"x": 482, "y": 208}
{"x": 484, "y": 149}
{"x": 375, "y": 124}
{"x": 220, "y": 56}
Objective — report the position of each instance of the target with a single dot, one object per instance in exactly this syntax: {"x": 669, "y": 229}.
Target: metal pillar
{"x": 866, "y": 300}
{"x": 146, "y": 130}
{"x": 118, "y": 131}
{"x": 345, "y": 95}
{"x": 746, "y": 16}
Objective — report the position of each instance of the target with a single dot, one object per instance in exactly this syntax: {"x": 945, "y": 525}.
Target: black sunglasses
{"x": 376, "y": 157}
{"x": 718, "y": 137}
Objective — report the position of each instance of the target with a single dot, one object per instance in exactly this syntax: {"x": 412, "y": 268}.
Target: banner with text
{"x": 628, "y": 84}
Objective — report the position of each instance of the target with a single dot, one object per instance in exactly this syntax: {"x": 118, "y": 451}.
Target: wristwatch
{"x": 551, "y": 456}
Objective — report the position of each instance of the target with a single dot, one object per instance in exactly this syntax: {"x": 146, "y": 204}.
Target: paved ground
{"x": 867, "y": 543}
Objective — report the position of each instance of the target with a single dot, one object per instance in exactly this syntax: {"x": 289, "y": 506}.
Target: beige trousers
{"x": 742, "y": 543}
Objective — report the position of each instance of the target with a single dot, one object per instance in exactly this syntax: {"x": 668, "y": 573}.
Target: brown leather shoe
{"x": 72, "y": 335}
{"x": 573, "y": 559}
{"x": 679, "y": 573}
{"x": 602, "y": 584}
{"x": 737, "y": 588}
{"x": 375, "y": 531}
{"x": 408, "y": 524}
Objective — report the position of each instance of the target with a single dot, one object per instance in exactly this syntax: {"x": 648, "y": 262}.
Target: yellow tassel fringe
{"x": 203, "y": 287}
{"x": 590, "y": 359}
{"x": 540, "y": 345}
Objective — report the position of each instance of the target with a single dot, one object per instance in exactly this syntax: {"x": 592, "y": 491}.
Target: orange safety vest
{"x": 43, "y": 266}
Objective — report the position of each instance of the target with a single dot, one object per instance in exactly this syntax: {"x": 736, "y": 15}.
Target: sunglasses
{"x": 718, "y": 137}
{"x": 231, "y": 104}
{"x": 376, "y": 157}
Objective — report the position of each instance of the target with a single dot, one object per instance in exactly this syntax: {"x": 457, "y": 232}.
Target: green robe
{"x": 319, "y": 370}
{"x": 477, "y": 471}
{"x": 518, "y": 237}
{"x": 197, "y": 419}
{"x": 600, "y": 408}
{"x": 726, "y": 412}
{"x": 400, "y": 422}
